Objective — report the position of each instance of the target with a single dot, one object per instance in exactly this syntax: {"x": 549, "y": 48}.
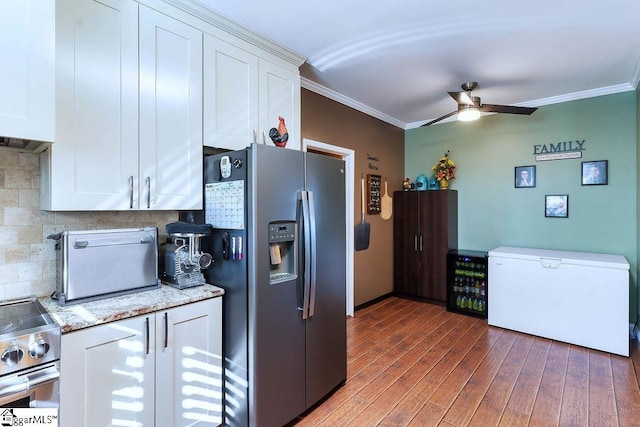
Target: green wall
{"x": 492, "y": 213}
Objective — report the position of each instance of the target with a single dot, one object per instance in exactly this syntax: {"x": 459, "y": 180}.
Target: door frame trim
{"x": 348, "y": 156}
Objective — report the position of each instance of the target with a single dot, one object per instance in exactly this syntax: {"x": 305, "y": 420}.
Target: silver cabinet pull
{"x": 130, "y": 191}
{"x": 415, "y": 243}
{"x": 421, "y": 243}
{"x": 166, "y": 329}
{"x": 147, "y": 338}
{"x": 148, "y": 192}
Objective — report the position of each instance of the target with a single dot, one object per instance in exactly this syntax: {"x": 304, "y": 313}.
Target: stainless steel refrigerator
{"x": 278, "y": 245}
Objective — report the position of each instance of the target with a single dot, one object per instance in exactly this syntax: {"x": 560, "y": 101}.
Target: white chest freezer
{"x": 576, "y": 297}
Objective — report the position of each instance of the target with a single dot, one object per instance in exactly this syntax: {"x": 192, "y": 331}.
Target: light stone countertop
{"x": 72, "y": 317}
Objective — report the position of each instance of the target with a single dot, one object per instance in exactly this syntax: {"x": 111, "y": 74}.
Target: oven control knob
{"x": 12, "y": 355}
{"x": 37, "y": 349}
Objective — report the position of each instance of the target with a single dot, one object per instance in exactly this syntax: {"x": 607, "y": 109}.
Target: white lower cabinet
{"x": 159, "y": 369}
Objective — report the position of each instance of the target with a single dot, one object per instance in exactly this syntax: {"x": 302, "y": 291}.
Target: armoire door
{"x": 438, "y": 222}
{"x": 406, "y": 243}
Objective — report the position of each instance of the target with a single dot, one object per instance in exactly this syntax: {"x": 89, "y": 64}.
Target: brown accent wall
{"x": 377, "y": 145}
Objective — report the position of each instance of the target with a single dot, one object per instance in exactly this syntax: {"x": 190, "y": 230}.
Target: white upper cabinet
{"x": 93, "y": 165}
{"x": 27, "y": 44}
{"x": 280, "y": 99}
{"x": 170, "y": 113}
{"x": 245, "y": 95}
{"x": 105, "y": 158}
{"x": 230, "y": 95}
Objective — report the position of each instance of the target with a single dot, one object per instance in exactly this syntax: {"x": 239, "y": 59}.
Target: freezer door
{"x": 276, "y": 327}
{"x": 326, "y": 340}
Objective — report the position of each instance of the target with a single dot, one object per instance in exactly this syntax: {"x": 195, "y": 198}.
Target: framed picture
{"x": 595, "y": 172}
{"x": 525, "y": 176}
{"x": 556, "y": 206}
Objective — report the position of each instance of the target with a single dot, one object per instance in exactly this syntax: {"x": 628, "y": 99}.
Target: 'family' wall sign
{"x": 559, "y": 150}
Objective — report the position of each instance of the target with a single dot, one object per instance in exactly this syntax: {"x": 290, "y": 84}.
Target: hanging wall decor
{"x": 556, "y": 206}
{"x": 373, "y": 194}
{"x": 525, "y": 176}
{"x": 595, "y": 172}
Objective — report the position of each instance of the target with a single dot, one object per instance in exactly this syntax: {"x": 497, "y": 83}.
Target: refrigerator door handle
{"x": 312, "y": 238}
{"x": 306, "y": 276}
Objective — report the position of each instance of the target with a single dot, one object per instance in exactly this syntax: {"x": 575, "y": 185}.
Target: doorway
{"x": 349, "y": 160}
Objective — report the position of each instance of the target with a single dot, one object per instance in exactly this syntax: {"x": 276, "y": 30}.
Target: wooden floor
{"x": 415, "y": 364}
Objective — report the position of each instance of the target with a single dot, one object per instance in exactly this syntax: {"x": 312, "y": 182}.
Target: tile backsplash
{"x": 27, "y": 257}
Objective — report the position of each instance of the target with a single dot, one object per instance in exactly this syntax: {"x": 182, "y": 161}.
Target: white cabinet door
{"x": 107, "y": 374}
{"x": 279, "y": 97}
{"x": 189, "y": 364}
{"x": 170, "y": 113}
{"x": 230, "y": 95}
{"x": 27, "y": 80}
{"x": 94, "y": 161}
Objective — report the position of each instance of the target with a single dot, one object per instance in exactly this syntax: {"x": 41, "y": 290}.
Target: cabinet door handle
{"x": 148, "y": 192}
{"x": 147, "y": 338}
{"x": 130, "y": 191}
{"x": 166, "y": 329}
{"x": 415, "y": 243}
{"x": 421, "y": 243}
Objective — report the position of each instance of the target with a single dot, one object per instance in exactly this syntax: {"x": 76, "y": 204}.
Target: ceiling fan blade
{"x": 511, "y": 109}
{"x": 461, "y": 98}
{"x": 440, "y": 118}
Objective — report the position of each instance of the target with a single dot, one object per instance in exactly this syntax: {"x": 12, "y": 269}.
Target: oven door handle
{"x": 15, "y": 384}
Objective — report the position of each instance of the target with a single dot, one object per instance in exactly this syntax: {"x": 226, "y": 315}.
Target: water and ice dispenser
{"x": 282, "y": 251}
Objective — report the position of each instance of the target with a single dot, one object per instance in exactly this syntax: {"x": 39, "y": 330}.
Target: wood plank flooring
{"x": 412, "y": 363}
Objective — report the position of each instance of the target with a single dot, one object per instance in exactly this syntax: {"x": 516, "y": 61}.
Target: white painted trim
{"x": 349, "y": 160}
{"x": 208, "y": 15}
{"x": 333, "y": 95}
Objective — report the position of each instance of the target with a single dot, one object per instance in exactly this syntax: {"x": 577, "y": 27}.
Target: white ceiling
{"x": 397, "y": 59}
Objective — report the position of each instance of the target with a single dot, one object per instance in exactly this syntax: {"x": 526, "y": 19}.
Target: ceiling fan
{"x": 470, "y": 107}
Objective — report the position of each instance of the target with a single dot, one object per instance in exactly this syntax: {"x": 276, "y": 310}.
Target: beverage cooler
{"x": 467, "y": 282}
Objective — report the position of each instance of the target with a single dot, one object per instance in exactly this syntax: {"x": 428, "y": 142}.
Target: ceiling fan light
{"x": 468, "y": 113}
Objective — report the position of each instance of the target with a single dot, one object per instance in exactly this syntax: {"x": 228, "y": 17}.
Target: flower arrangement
{"x": 445, "y": 168}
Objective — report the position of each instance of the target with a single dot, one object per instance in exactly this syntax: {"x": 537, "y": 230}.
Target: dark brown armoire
{"x": 425, "y": 228}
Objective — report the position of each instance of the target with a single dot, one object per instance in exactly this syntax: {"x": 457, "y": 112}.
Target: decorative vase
{"x": 444, "y": 184}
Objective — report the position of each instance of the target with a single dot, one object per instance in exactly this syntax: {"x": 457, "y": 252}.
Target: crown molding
{"x": 345, "y": 100}
{"x": 331, "y": 94}
{"x": 591, "y": 93}
{"x": 225, "y": 24}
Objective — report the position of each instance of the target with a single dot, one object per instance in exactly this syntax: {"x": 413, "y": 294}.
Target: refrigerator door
{"x": 326, "y": 339}
{"x": 230, "y": 273}
{"x": 276, "y": 327}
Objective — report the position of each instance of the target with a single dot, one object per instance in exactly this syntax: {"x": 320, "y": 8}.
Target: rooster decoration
{"x": 279, "y": 136}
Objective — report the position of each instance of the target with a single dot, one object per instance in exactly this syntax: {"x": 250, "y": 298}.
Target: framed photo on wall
{"x": 525, "y": 176}
{"x": 595, "y": 172}
{"x": 556, "y": 206}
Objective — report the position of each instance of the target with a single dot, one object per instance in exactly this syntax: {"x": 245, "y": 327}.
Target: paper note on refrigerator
{"x": 224, "y": 204}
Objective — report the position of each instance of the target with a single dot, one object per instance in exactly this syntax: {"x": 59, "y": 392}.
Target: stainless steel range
{"x": 29, "y": 355}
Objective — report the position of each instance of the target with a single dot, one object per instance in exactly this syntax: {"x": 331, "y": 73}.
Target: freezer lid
{"x": 617, "y": 262}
